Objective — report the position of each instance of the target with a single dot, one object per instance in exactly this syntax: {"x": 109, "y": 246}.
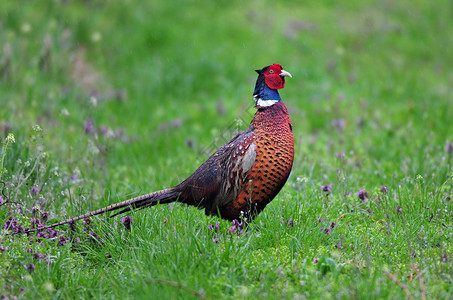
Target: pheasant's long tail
{"x": 140, "y": 202}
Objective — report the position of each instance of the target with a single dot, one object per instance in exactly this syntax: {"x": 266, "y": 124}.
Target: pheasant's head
{"x": 270, "y": 79}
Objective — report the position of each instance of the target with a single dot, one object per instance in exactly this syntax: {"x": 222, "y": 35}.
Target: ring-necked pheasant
{"x": 245, "y": 174}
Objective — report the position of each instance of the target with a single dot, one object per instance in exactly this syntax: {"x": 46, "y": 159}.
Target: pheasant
{"x": 242, "y": 176}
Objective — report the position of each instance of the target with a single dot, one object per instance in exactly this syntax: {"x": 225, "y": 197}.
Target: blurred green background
{"x": 178, "y": 73}
{"x": 130, "y": 95}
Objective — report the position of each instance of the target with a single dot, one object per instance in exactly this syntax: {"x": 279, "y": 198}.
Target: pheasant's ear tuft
{"x": 261, "y": 71}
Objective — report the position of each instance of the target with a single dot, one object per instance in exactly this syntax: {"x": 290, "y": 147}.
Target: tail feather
{"x": 165, "y": 196}
{"x": 140, "y": 202}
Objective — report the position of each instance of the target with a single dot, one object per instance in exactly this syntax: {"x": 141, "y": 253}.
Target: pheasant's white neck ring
{"x": 265, "y": 103}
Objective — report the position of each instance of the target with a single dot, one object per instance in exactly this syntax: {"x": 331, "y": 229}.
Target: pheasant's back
{"x": 274, "y": 147}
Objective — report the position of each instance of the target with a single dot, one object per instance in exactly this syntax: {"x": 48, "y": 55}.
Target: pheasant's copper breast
{"x": 274, "y": 147}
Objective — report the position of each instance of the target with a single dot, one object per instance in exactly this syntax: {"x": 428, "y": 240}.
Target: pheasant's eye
{"x": 271, "y": 71}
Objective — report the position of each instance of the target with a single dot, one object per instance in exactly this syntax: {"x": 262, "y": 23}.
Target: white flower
{"x": 26, "y": 28}
{"x": 94, "y": 101}
{"x": 96, "y": 37}
{"x": 37, "y": 128}
{"x": 10, "y": 138}
{"x": 301, "y": 179}
{"x": 64, "y": 112}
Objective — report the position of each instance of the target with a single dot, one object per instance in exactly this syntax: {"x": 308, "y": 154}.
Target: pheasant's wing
{"x": 221, "y": 178}
{"x": 236, "y": 165}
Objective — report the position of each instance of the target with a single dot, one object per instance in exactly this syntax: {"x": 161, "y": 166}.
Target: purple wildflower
{"x": 89, "y": 126}
{"x": 237, "y": 227}
{"x": 362, "y": 195}
{"x": 37, "y": 255}
{"x": 328, "y": 230}
{"x": 94, "y": 235}
{"x": 289, "y": 222}
{"x": 215, "y": 239}
{"x": 62, "y": 240}
{"x": 87, "y": 221}
{"x": 104, "y": 129}
{"x": 340, "y": 155}
{"x": 44, "y": 216}
{"x": 30, "y": 268}
{"x": 327, "y": 188}
{"x": 12, "y": 225}
{"x": 34, "y": 210}
{"x": 384, "y": 189}
{"x": 315, "y": 260}
{"x": 34, "y": 190}
{"x": 214, "y": 227}
{"x": 127, "y": 221}
{"x": 3, "y": 249}
{"x": 339, "y": 124}
{"x": 8, "y": 223}
{"x": 1, "y": 199}
{"x": 19, "y": 228}
{"x": 43, "y": 235}
{"x": 447, "y": 197}
{"x": 339, "y": 246}
{"x": 52, "y": 232}
{"x": 319, "y": 220}
{"x": 35, "y": 223}
{"x": 75, "y": 177}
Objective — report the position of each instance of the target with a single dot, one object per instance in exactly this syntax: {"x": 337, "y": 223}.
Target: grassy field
{"x": 106, "y": 100}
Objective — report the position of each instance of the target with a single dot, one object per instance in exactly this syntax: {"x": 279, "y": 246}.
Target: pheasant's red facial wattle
{"x": 273, "y": 78}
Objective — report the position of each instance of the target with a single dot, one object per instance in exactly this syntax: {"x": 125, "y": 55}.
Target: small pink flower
{"x": 327, "y": 188}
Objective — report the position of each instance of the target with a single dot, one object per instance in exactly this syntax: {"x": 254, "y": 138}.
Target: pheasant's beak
{"x": 284, "y": 73}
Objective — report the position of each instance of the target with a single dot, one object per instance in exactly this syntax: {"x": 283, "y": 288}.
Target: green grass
{"x": 153, "y": 75}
